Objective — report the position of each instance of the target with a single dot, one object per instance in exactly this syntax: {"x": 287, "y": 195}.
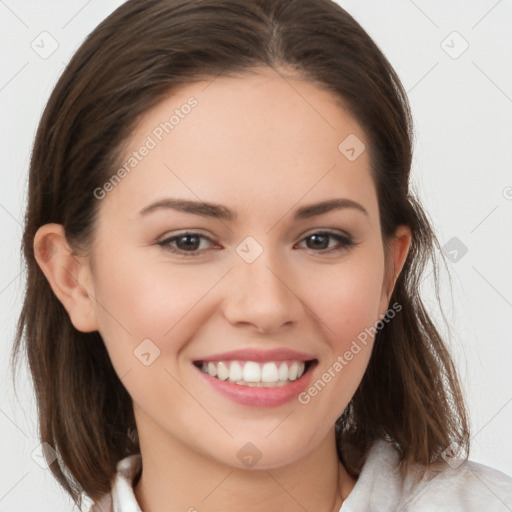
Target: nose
{"x": 263, "y": 296}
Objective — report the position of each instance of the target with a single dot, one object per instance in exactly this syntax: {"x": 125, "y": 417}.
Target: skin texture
{"x": 262, "y": 146}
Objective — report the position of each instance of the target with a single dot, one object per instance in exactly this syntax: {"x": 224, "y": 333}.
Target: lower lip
{"x": 259, "y": 397}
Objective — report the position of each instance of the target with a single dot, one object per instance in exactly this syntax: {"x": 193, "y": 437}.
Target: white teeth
{"x": 269, "y": 373}
{"x": 235, "y": 372}
{"x": 212, "y": 369}
{"x": 222, "y": 371}
{"x": 251, "y": 373}
{"x": 293, "y": 370}
{"x": 283, "y": 371}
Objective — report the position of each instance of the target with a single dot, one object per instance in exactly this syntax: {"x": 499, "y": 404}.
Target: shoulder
{"x": 468, "y": 487}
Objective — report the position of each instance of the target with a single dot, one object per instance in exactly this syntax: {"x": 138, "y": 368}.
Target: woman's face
{"x": 257, "y": 292}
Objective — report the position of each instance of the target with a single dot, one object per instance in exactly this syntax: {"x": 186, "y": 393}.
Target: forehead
{"x": 262, "y": 139}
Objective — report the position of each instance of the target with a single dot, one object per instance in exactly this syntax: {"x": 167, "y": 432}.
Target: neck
{"x": 176, "y": 477}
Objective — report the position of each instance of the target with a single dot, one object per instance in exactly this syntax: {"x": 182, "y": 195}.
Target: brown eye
{"x": 185, "y": 243}
{"x": 319, "y": 242}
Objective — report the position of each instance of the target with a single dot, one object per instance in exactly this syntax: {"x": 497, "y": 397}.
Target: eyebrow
{"x": 205, "y": 209}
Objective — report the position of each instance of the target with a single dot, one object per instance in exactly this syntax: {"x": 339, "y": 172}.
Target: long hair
{"x": 134, "y": 59}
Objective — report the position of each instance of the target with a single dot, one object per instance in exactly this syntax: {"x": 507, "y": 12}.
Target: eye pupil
{"x": 187, "y": 244}
{"x": 193, "y": 246}
{"x": 316, "y": 238}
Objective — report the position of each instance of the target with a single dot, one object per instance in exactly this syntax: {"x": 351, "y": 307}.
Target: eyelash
{"x": 346, "y": 243}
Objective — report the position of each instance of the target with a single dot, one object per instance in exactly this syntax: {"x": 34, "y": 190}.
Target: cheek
{"x": 157, "y": 301}
{"x": 347, "y": 298}
{"x": 138, "y": 302}
{"x": 146, "y": 298}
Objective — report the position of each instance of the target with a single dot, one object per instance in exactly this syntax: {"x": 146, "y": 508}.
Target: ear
{"x": 399, "y": 246}
{"x": 68, "y": 275}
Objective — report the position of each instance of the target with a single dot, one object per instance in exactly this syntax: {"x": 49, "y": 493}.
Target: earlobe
{"x": 68, "y": 277}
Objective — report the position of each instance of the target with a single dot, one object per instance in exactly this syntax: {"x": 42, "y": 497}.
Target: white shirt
{"x": 470, "y": 487}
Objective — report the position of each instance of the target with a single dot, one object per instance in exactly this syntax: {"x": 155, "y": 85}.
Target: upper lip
{"x": 280, "y": 354}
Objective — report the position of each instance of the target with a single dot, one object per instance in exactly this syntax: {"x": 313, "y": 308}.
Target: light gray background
{"x": 462, "y": 172}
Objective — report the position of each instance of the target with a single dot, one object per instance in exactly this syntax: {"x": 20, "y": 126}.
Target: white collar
{"x": 471, "y": 487}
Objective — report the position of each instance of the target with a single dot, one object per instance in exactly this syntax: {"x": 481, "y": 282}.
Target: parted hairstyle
{"x": 134, "y": 59}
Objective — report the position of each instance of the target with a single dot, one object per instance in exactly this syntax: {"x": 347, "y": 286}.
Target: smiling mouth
{"x": 268, "y": 374}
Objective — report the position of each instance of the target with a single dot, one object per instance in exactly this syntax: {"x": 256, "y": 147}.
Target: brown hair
{"x": 131, "y": 61}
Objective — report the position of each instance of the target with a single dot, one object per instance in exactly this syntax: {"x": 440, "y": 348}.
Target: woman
{"x": 224, "y": 256}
